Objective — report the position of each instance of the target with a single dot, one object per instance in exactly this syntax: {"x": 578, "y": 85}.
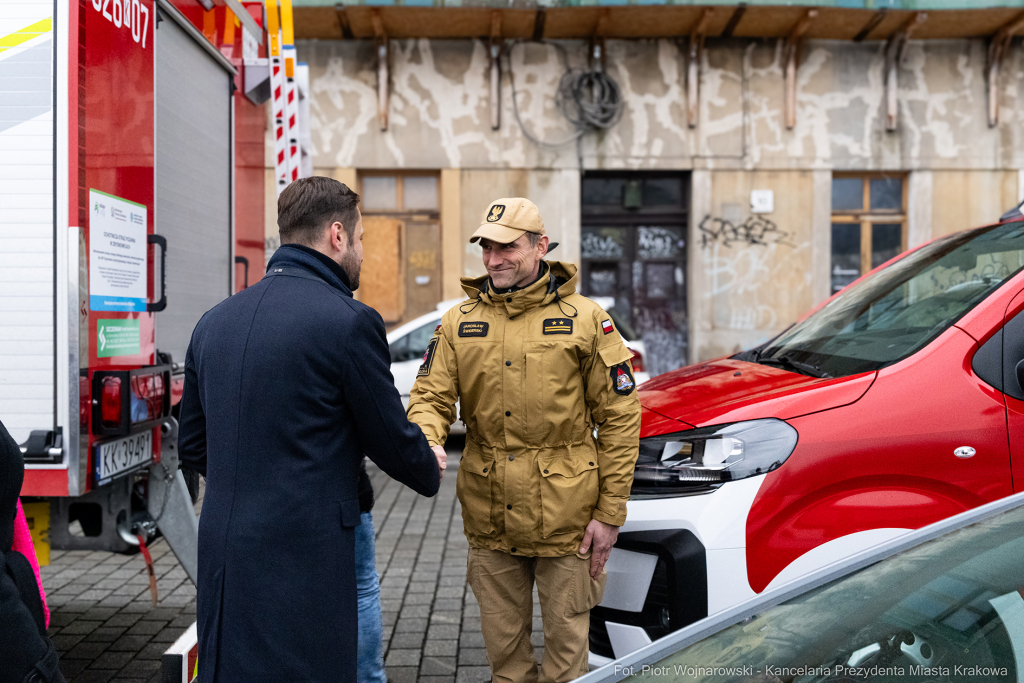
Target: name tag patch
{"x": 473, "y": 329}
{"x": 428, "y": 359}
{"x": 557, "y": 326}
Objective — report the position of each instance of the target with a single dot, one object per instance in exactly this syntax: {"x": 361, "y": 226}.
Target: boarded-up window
{"x": 378, "y": 285}
{"x": 405, "y": 261}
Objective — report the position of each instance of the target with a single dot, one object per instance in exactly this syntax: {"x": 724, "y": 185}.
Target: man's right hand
{"x": 442, "y": 458}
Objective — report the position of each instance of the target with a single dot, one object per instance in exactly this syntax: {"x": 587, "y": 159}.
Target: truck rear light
{"x": 110, "y": 402}
{"x": 129, "y": 401}
{"x": 148, "y": 393}
{"x": 637, "y": 360}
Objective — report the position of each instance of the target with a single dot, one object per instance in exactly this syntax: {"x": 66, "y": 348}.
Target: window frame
{"x": 866, "y": 217}
{"x": 400, "y": 210}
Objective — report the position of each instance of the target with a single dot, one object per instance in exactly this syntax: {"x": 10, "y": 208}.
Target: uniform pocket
{"x": 473, "y": 486}
{"x": 553, "y": 391}
{"x": 585, "y": 593}
{"x": 568, "y": 492}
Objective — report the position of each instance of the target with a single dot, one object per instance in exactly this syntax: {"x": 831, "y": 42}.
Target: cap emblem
{"x": 496, "y": 213}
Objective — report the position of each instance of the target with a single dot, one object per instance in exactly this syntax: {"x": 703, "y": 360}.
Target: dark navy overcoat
{"x": 287, "y": 386}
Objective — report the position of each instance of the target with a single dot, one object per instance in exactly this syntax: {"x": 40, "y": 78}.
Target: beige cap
{"x": 507, "y": 219}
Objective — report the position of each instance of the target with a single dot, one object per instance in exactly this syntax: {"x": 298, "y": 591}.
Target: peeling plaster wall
{"x": 961, "y": 173}
{"x": 440, "y": 107}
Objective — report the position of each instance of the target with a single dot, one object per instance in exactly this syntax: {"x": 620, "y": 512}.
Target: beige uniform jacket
{"x": 535, "y": 371}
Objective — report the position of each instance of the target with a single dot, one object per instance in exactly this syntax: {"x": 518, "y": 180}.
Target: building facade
{"x": 763, "y": 157}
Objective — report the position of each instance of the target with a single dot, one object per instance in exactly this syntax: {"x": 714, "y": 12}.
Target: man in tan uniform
{"x": 536, "y": 367}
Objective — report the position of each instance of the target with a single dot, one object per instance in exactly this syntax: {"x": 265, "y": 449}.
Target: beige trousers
{"x": 503, "y": 585}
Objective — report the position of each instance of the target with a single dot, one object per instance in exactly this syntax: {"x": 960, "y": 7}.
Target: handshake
{"x": 442, "y": 458}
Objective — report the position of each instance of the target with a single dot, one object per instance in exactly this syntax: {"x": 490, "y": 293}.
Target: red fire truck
{"x": 131, "y": 202}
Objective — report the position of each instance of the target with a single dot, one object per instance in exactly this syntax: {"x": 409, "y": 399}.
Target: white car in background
{"x": 409, "y": 342}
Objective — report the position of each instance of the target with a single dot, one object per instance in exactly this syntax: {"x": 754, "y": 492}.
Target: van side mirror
{"x": 1020, "y": 374}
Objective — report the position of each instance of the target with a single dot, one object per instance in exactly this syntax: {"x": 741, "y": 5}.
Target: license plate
{"x": 117, "y": 458}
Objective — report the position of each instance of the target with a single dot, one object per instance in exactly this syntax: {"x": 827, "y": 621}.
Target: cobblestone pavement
{"x": 106, "y": 628}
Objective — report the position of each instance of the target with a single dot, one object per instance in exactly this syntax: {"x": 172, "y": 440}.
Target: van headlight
{"x": 699, "y": 460}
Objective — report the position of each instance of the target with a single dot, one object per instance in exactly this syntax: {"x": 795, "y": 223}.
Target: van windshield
{"x": 896, "y": 311}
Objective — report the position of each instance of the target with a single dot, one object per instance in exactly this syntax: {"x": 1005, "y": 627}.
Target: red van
{"x": 896, "y": 403}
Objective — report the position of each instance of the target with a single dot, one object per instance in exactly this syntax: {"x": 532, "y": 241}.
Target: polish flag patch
{"x": 607, "y": 326}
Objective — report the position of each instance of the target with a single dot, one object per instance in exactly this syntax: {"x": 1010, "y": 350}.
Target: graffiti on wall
{"x": 756, "y": 230}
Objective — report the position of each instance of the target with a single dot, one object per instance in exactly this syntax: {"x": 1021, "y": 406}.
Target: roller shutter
{"x": 193, "y": 181}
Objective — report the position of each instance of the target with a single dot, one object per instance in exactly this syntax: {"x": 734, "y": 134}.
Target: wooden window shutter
{"x": 382, "y": 279}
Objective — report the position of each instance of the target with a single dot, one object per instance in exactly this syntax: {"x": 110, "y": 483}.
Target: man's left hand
{"x": 602, "y": 536}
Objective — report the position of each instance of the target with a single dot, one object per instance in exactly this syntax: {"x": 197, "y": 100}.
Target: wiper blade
{"x": 795, "y": 365}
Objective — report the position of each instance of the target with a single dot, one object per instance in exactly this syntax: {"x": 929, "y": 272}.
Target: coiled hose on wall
{"x": 589, "y": 100}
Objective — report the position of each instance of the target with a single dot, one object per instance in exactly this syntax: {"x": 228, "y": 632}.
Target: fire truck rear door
{"x": 194, "y": 110}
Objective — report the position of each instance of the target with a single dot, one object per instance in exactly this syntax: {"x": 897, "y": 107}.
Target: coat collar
{"x": 312, "y": 261}
{"x": 557, "y": 283}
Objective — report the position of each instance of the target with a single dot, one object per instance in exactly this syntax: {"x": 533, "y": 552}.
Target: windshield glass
{"x": 898, "y": 310}
{"x": 948, "y": 610}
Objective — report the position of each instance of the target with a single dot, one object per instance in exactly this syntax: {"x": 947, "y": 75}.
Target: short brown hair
{"x": 309, "y": 205}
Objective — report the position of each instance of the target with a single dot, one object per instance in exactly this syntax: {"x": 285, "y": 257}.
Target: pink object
{"x": 23, "y": 544}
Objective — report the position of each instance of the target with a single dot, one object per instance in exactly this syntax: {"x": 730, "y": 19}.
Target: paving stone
{"x": 441, "y": 648}
{"x": 406, "y": 641}
{"x": 105, "y": 634}
{"x": 421, "y": 587}
{"x": 65, "y": 641}
{"x": 472, "y": 656}
{"x": 122, "y": 619}
{"x": 421, "y": 611}
{"x": 94, "y": 676}
{"x": 152, "y": 651}
{"x": 140, "y": 667}
{"x": 112, "y": 660}
{"x": 419, "y": 598}
{"x": 87, "y": 650}
{"x": 473, "y": 674}
{"x": 81, "y": 627}
{"x": 397, "y": 658}
{"x": 146, "y": 628}
{"x": 71, "y": 667}
{"x": 167, "y": 635}
{"x": 443, "y": 632}
{"x": 411, "y": 625}
{"x": 437, "y": 666}
{"x": 402, "y": 674}
{"x": 471, "y": 639}
{"x": 129, "y": 643}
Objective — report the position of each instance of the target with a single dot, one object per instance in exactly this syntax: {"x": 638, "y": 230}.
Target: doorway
{"x": 633, "y": 257}
{"x": 401, "y": 243}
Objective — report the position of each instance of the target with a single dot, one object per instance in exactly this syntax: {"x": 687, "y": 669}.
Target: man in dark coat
{"x": 287, "y": 385}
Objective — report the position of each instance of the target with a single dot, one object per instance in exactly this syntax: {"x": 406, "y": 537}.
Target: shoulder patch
{"x": 474, "y": 329}
{"x": 557, "y": 326}
{"x": 607, "y": 327}
{"x": 428, "y": 359}
{"x": 622, "y": 379}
